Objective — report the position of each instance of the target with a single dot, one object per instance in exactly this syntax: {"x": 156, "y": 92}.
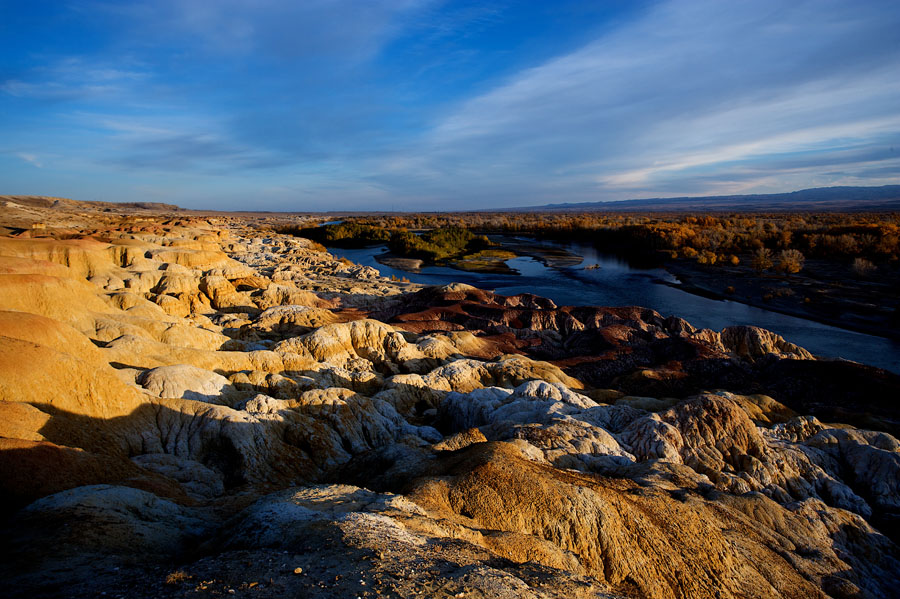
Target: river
{"x": 615, "y": 283}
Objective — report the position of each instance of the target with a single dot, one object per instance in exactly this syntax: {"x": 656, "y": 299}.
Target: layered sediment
{"x": 197, "y": 406}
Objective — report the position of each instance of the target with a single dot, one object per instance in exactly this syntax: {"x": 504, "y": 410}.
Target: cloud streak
{"x": 31, "y": 159}
{"x": 432, "y": 104}
{"x": 74, "y": 79}
{"x": 689, "y": 87}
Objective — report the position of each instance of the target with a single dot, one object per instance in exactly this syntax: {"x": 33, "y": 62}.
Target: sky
{"x": 316, "y": 105}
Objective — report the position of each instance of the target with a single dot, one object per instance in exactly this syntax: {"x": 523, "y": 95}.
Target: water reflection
{"x": 615, "y": 283}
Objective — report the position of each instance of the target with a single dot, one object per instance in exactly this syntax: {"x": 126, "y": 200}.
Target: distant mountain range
{"x": 55, "y": 202}
{"x": 842, "y": 199}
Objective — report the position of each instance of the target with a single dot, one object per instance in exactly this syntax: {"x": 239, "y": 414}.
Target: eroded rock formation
{"x": 198, "y": 406}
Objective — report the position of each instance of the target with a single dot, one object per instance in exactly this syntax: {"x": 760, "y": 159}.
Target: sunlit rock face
{"x": 638, "y": 352}
{"x": 208, "y": 398}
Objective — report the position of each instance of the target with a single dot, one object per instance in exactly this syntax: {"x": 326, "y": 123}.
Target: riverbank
{"x": 493, "y": 261}
{"x": 455, "y": 247}
{"x": 616, "y": 283}
{"x": 200, "y": 407}
{"x": 855, "y": 305}
{"x": 822, "y": 292}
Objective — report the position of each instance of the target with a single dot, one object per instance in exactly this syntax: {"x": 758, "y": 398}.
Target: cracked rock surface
{"x": 197, "y": 406}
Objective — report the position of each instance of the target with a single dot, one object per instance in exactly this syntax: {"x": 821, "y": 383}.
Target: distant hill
{"x": 54, "y": 202}
{"x": 836, "y": 199}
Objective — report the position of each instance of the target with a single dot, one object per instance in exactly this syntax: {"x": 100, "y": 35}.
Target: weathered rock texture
{"x": 196, "y": 406}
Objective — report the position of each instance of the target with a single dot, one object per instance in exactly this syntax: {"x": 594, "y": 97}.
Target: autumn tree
{"x": 762, "y": 259}
{"x": 862, "y": 267}
{"x": 790, "y": 261}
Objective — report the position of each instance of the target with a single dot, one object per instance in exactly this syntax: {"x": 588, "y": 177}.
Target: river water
{"x": 615, "y": 283}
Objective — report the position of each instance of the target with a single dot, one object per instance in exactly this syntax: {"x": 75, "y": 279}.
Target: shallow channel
{"x": 615, "y": 283}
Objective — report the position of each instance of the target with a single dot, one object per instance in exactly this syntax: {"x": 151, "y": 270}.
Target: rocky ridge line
{"x": 198, "y": 406}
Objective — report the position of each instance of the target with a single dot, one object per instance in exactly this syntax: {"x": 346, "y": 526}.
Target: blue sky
{"x": 431, "y": 105}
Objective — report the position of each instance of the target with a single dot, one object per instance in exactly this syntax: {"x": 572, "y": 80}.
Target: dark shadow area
{"x": 82, "y": 450}
{"x": 638, "y": 352}
{"x": 631, "y": 349}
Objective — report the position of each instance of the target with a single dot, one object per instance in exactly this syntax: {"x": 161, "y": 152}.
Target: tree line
{"x": 781, "y": 242}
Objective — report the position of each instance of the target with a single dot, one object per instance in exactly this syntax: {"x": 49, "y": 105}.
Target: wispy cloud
{"x": 74, "y": 78}
{"x": 179, "y": 141}
{"x": 430, "y": 104}
{"x": 31, "y": 159}
{"x": 690, "y": 87}
{"x": 219, "y": 87}
{"x": 273, "y": 29}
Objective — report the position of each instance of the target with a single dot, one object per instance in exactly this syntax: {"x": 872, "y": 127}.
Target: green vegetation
{"x": 346, "y": 234}
{"x": 719, "y": 240}
{"x": 841, "y": 268}
{"x": 850, "y": 245}
{"x": 485, "y": 261}
{"x": 454, "y": 245}
{"x": 438, "y": 245}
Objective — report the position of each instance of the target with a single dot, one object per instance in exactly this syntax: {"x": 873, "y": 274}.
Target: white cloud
{"x": 31, "y": 159}
{"x": 282, "y": 29}
{"x": 75, "y": 78}
{"x": 687, "y": 89}
{"x": 797, "y": 140}
{"x": 685, "y": 97}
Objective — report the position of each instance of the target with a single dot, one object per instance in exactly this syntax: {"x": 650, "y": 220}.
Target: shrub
{"x": 177, "y": 577}
{"x": 790, "y": 261}
{"x": 348, "y": 234}
{"x": 762, "y": 259}
{"x": 437, "y": 244}
{"x": 862, "y": 267}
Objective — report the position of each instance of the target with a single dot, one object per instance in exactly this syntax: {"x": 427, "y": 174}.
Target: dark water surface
{"x": 616, "y": 283}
